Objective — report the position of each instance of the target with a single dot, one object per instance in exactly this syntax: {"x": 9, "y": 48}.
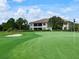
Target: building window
{"x": 35, "y": 24}
{"x": 38, "y": 24}
{"x": 44, "y": 24}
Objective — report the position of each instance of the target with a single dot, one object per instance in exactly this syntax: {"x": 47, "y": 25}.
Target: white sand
{"x": 14, "y": 35}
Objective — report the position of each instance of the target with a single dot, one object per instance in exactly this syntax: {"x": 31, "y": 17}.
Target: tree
{"x": 1, "y": 28}
{"x": 59, "y": 23}
{"x": 11, "y": 23}
{"x": 25, "y": 25}
{"x": 55, "y": 22}
{"x": 22, "y": 24}
{"x": 76, "y": 27}
{"x": 19, "y": 23}
{"x": 4, "y": 26}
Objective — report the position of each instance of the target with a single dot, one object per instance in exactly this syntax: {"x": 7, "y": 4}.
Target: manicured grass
{"x": 40, "y": 45}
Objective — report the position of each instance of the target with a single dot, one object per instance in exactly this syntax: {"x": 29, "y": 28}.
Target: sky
{"x": 37, "y": 9}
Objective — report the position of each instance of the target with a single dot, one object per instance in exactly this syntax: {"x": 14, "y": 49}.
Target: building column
{"x": 68, "y": 26}
{"x": 32, "y": 26}
{"x": 42, "y": 26}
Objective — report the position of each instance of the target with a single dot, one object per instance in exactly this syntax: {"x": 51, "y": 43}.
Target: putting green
{"x": 40, "y": 45}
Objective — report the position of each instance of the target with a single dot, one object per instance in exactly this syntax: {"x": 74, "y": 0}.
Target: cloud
{"x": 19, "y": 1}
{"x": 20, "y": 13}
{"x": 36, "y": 13}
{"x": 3, "y": 5}
{"x": 3, "y": 10}
{"x": 66, "y": 9}
{"x": 76, "y": 0}
{"x": 32, "y": 13}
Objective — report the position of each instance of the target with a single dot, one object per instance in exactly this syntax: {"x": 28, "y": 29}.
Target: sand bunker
{"x": 14, "y": 35}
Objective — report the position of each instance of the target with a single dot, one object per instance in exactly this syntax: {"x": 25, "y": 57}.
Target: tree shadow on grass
{"x": 11, "y": 43}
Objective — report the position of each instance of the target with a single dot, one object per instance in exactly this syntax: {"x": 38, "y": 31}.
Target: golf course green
{"x": 40, "y": 45}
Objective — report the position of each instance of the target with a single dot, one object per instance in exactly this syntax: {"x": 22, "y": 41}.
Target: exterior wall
{"x": 65, "y": 26}
{"x": 44, "y": 26}
{"x": 31, "y": 26}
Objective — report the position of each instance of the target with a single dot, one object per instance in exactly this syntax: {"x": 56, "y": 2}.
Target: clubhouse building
{"x": 43, "y": 25}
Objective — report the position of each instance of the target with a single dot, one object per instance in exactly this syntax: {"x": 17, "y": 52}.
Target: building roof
{"x": 41, "y": 21}
{"x": 46, "y": 21}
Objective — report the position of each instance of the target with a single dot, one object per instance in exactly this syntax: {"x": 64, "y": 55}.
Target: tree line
{"x": 22, "y": 24}
{"x": 12, "y": 24}
{"x": 57, "y": 22}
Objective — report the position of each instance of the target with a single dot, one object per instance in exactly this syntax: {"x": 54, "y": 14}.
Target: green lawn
{"x": 40, "y": 45}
